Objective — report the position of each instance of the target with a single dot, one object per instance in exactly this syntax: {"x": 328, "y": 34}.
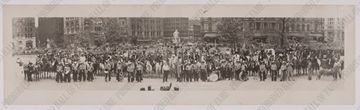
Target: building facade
{"x": 268, "y": 30}
{"x": 50, "y": 29}
{"x": 146, "y": 27}
{"x": 176, "y": 23}
{"x": 78, "y": 30}
{"x": 73, "y": 25}
{"x": 209, "y": 26}
{"x": 334, "y": 30}
{"x": 24, "y": 33}
{"x": 194, "y": 28}
{"x": 195, "y": 31}
{"x": 120, "y": 27}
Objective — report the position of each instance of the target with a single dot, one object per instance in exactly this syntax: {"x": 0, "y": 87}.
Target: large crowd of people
{"x": 186, "y": 63}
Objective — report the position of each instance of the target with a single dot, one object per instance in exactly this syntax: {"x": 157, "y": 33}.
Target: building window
{"x": 257, "y": 26}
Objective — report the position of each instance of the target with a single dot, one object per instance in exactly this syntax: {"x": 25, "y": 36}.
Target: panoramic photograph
{"x": 77, "y": 56}
{"x": 172, "y": 50}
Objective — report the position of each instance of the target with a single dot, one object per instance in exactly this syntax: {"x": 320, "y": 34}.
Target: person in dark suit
{"x": 59, "y": 72}
{"x": 30, "y": 69}
{"x": 107, "y": 67}
{"x": 67, "y": 71}
{"x": 131, "y": 71}
{"x": 74, "y": 69}
{"x": 273, "y": 71}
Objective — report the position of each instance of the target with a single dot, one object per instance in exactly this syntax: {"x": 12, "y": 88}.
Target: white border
{"x": 197, "y": 107}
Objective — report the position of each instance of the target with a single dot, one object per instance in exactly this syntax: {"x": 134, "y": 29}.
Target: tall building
{"x": 158, "y": 27}
{"x": 258, "y": 29}
{"x": 73, "y": 25}
{"x": 79, "y": 30}
{"x": 117, "y": 27}
{"x": 194, "y": 28}
{"x": 24, "y": 33}
{"x": 334, "y": 30}
{"x": 305, "y": 28}
{"x": 176, "y": 23}
{"x": 50, "y": 30}
{"x": 209, "y": 26}
{"x": 146, "y": 27}
{"x": 267, "y": 30}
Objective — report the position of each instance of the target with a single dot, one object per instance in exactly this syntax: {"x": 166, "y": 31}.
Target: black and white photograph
{"x": 178, "y": 50}
{"x": 230, "y": 60}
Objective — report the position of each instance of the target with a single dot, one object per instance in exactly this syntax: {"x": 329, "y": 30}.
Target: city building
{"x": 267, "y": 30}
{"x": 146, "y": 27}
{"x": 73, "y": 25}
{"x": 79, "y": 30}
{"x": 209, "y": 26}
{"x": 194, "y": 28}
{"x": 50, "y": 31}
{"x": 176, "y": 23}
{"x": 334, "y": 30}
{"x": 117, "y": 27}
{"x": 305, "y": 29}
{"x": 24, "y": 33}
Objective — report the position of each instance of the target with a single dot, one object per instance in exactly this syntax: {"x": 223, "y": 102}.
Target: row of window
{"x": 24, "y": 29}
{"x": 147, "y": 33}
{"x": 25, "y": 35}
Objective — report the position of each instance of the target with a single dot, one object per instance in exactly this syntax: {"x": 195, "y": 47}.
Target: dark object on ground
{"x": 142, "y": 89}
{"x": 149, "y": 88}
{"x": 176, "y": 89}
{"x": 165, "y": 88}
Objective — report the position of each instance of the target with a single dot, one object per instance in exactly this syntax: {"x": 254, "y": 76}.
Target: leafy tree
{"x": 228, "y": 29}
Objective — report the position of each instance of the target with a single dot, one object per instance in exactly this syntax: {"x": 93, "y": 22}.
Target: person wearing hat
{"x": 59, "y": 72}
{"x": 166, "y": 71}
{"x": 187, "y": 71}
{"x": 262, "y": 73}
{"x": 282, "y": 72}
{"x": 244, "y": 73}
{"x": 107, "y": 67}
{"x": 90, "y": 71}
{"x": 139, "y": 71}
{"x": 130, "y": 69}
{"x": 67, "y": 71}
{"x": 203, "y": 73}
{"x": 119, "y": 70}
{"x": 290, "y": 71}
{"x": 30, "y": 71}
{"x": 82, "y": 71}
{"x": 74, "y": 70}
{"x": 273, "y": 71}
{"x": 197, "y": 70}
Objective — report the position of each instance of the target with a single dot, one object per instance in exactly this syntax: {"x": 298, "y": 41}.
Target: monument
{"x": 48, "y": 43}
{"x": 176, "y": 38}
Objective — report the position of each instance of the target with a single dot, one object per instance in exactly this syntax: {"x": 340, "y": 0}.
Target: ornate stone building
{"x": 23, "y": 33}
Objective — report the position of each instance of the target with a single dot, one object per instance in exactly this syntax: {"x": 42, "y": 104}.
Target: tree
{"x": 112, "y": 31}
{"x": 228, "y": 28}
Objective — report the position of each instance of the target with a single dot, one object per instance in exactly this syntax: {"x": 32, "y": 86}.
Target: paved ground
{"x": 99, "y": 92}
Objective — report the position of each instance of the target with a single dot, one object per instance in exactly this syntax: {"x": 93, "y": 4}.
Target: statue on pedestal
{"x": 176, "y": 39}
{"x": 48, "y": 43}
